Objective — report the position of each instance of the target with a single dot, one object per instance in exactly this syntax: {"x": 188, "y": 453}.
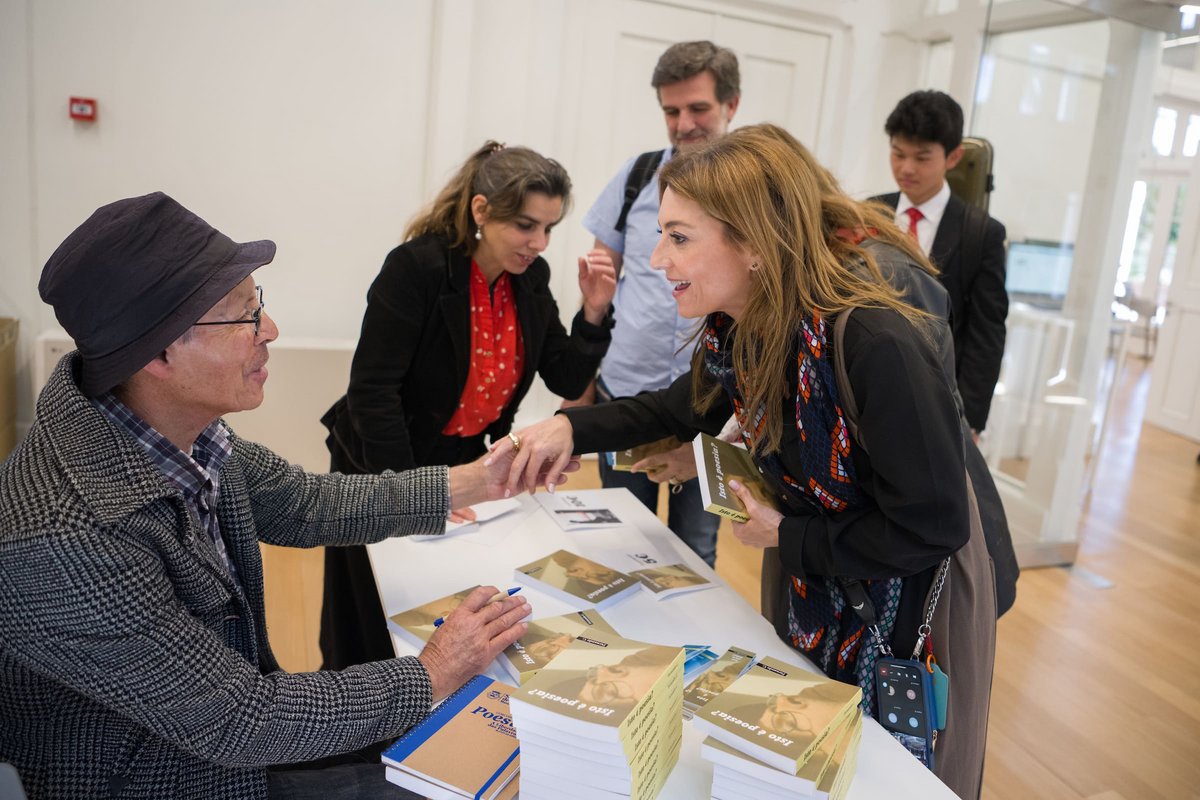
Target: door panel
{"x": 1174, "y": 399}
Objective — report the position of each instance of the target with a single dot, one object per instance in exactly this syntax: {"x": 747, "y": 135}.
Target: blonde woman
{"x": 759, "y": 243}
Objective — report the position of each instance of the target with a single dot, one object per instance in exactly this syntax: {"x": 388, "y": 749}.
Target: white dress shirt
{"x": 932, "y": 209}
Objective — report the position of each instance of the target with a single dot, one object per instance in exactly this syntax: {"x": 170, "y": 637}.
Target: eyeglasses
{"x": 255, "y": 316}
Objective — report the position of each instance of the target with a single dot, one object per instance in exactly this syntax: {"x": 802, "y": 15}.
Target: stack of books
{"x": 826, "y": 776}
{"x": 428, "y": 759}
{"x": 781, "y": 731}
{"x": 602, "y": 720}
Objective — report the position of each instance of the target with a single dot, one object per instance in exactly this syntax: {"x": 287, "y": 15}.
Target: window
{"x": 1191, "y": 137}
{"x": 1163, "y": 138}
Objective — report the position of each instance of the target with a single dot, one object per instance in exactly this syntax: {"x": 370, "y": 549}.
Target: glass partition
{"x": 1063, "y": 95}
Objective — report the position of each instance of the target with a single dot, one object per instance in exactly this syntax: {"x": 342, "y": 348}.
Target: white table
{"x": 410, "y": 573}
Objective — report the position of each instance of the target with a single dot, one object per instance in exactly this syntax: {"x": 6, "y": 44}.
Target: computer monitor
{"x": 1039, "y": 272}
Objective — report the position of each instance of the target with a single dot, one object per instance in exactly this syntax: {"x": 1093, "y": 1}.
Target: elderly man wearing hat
{"x": 133, "y": 646}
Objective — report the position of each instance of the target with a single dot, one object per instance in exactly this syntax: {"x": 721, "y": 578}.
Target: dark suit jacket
{"x": 978, "y": 305}
{"x": 413, "y": 355}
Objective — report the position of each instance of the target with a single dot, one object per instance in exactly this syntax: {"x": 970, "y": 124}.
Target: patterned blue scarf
{"x": 820, "y": 622}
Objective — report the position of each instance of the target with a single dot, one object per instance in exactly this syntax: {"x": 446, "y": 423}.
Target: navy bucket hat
{"x": 134, "y": 277}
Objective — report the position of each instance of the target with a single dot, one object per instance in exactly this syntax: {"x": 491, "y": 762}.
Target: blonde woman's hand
{"x": 674, "y": 466}
{"x": 763, "y": 528}
{"x": 540, "y": 455}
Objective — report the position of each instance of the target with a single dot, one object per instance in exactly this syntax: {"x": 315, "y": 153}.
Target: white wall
{"x": 325, "y": 126}
{"x": 18, "y": 279}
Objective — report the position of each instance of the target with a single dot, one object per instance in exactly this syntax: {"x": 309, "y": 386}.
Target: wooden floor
{"x": 1097, "y": 685}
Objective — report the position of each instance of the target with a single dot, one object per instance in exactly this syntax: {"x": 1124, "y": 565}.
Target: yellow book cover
{"x": 546, "y": 638}
{"x": 623, "y": 460}
{"x": 577, "y": 580}
{"x": 416, "y": 624}
{"x": 717, "y": 461}
{"x": 778, "y": 713}
{"x": 475, "y": 720}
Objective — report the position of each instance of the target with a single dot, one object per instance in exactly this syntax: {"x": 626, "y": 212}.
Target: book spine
{"x": 834, "y": 724}
{"x": 484, "y": 790}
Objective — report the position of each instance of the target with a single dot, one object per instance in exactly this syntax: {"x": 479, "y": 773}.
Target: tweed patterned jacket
{"x": 130, "y": 664}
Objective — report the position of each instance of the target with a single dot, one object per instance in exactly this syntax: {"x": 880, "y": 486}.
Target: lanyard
{"x": 860, "y": 601}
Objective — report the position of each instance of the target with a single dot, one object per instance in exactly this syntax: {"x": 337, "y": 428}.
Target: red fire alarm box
{"x": 83, "y": 108}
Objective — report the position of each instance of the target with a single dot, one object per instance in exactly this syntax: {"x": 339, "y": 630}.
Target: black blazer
{"x": 978, "y": 305}
{"x": 413, "y": 355}
{"x": 913, "y": 475}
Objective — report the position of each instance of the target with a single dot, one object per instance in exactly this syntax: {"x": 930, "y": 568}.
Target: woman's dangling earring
{"x": 479, "y": 234}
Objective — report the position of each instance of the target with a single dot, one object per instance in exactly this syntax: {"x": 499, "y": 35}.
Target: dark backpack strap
{"x": 643, "y": 170}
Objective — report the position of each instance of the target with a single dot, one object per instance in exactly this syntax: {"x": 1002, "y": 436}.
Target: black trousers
{"x": 353, "y": 628}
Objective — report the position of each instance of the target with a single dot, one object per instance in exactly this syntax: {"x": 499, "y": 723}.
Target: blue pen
{"x": 437, "y": 623}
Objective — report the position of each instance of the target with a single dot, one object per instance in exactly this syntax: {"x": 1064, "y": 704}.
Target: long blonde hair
{"x": 503, "y": 175}
{"x": 777, "y": 201}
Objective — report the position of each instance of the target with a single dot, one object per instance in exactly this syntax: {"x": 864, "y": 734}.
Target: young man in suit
{"x": 967, "y": 246}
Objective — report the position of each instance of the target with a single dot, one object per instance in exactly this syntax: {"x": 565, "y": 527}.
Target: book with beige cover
{"x": 416, "y": 624}
{"x": 778, "y": 713}
{"x": 718, "y": 461}
{"x": 577, "y": 580}
{"x": 545, "y": 638}
{"x": 467, "y": 747}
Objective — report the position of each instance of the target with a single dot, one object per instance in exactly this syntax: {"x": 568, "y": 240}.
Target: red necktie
{"x": 914, "y": 216}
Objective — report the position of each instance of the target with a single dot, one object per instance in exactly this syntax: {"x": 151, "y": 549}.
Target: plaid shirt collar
{"x": 192, "y": 473}
{"x": 197, "y": 476}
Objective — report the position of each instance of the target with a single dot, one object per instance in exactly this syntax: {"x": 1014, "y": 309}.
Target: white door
{"x": 1174, "y": 399}
{"x": 788, "y": 69}
{"x": 786, "y": 76}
